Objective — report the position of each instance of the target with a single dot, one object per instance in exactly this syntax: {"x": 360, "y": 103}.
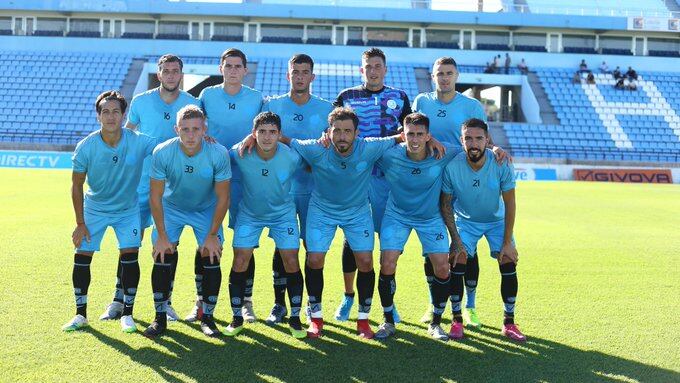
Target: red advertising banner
{"x": 653, "y": 176}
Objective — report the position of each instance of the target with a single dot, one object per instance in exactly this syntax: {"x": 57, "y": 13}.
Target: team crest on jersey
{"x": 391, "y": 104}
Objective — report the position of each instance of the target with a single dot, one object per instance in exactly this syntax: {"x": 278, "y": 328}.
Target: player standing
{"x": 448, "y": 109}
{"x": 196, "y": 174}
{"x": 111, "y": 160}
{"x": 303, "y": 116}
{"x": 340, "y": 198}
{"x": 153, "y": 113}
{"x": 484, "y": 205}
{"x": 267, "y": 177}
{"x": 380, "y": 109}
{"x": 415, "y": 179}
{"x": 230, "y": 108}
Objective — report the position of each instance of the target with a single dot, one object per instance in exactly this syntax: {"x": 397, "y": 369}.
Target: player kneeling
{"x": 478, "y": 183}
{"x": 111, "y": 159}
{"x": 266, "y": 178}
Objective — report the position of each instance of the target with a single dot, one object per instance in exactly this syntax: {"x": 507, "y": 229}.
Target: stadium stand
{"x": 601, "y": 123}
{"x": 172, "y": 36}
{"x": 579, "y": 50}
{"x": 617, "y": 51}
{"x": 601, "y": 7}
{"x": 281, "y": 39}
{"x": 492, "y": 47}
{"x": 355, "y": 42}
{"x": 227, "y": 38}
{"x": 592, "y": 122}
{"x": 83, "y": 34}
{"x": 319, "y": 41}
{"x": 47, "y": 33}
{"x": 530, "y": 48}
{"x": 664, "y": 53}
{"x": 54, "y": 106}
{"x": 442, "y": 45}
{"x": 137, "y": 35}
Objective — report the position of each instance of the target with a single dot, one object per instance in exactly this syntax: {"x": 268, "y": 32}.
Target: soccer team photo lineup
{"x": 301, "y": 167}
{"x": 340, "y": 191}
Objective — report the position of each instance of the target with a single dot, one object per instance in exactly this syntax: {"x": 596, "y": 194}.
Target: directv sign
{"x": 38, "y": 160}
{"x": 529, "y": 173}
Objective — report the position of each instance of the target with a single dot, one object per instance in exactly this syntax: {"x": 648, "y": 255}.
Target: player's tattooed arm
{"x": 77, "y": 196}
{"x": 457, "y": 249}
{"x": 509, "y": 250}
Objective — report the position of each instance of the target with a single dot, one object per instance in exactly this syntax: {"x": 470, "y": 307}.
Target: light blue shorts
{"x": 471, "y": 232}
{"x": 235, "y": 196}
{"x": 431, "y": 233}
{"x": 176, "y": 219}
{"x": 145, "y": 218}
{"x": 284, "y": 232}
{"x": 321, "y": 229}
{"x": 378, "y": 191}
{"x": 126, "y": 229}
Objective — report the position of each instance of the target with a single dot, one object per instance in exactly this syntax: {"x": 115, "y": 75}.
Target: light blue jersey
{"x": 230, "y": 118}
{"x": 155, "y": 118}
{"x": 267, "y": 184}
{"x": 190, "y": 181}
{"x": 341, "y": 183}
{"x": 478, "y": 193}
{"x": 414, "y": 185}
{"x": 113, "y": 174}
{"x": 446, "y": 119}
{"x": 303, "y": 122}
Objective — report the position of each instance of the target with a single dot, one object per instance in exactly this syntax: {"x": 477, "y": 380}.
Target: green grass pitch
{"x": 599, "y": 276}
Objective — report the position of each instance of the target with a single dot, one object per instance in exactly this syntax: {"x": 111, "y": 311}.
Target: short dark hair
{"x": 267, "y": 118}
{"x": 446, "y": 60}
{"x": 190, "y": 111}
{"x": 417, "y": 118}
{"x": 233, "y": 52}
{"x": 170, "y": 58}
{"x": 343, "y": 114}
{"x": 475, "y": 123}
{"x": 301, "y": 58}
{"x": 110, "y": 95}
{"x": 374, "y": 52}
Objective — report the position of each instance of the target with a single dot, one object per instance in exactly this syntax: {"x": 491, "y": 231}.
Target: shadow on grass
{"x": 484, "y": 355}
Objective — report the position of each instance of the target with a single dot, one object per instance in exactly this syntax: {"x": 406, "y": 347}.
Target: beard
{"x": 474, "y": 155}
{"x": 342, "y": 150}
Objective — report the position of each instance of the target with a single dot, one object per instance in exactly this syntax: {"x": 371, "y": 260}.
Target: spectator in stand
{"x": 617, "y": 73}
{"x": 488, "y": 68}
{"x": 631, "y": 74}
{"x": 522, "y": 66}
{"x": 583, "y": 67}
{"x": 577, "y": 78}
{"x": 497, "y": 63}
{"x": 604, "y": 68}
{"x": 508, "y": 61}
{"x": 619, "y": 83}
{"x": 591, "y": 78}
{"x": 632, "y": 83}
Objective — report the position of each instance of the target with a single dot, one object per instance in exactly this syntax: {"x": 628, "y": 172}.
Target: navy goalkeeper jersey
{"x": 380, "y": 112}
